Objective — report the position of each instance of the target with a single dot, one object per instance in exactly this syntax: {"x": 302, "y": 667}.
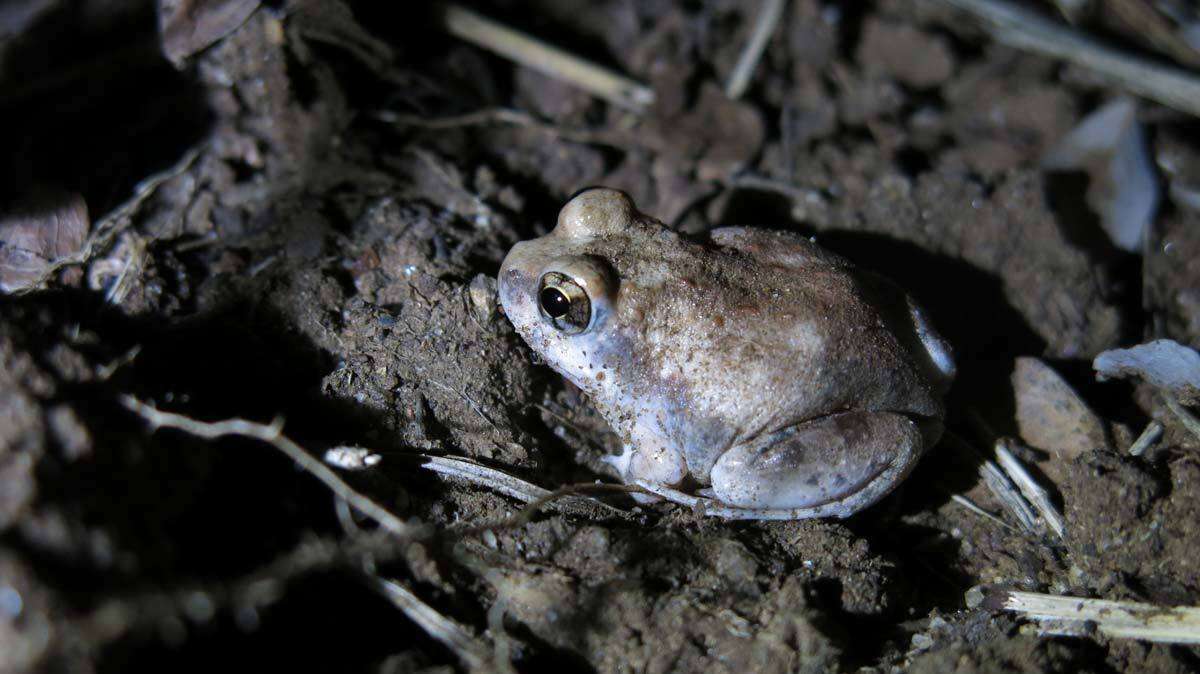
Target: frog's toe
{"x": 620, "y": 461}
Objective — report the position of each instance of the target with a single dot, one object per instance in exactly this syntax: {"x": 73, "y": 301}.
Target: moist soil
{"x": 328, "y": 256}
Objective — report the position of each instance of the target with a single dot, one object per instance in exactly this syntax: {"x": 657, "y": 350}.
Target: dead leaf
{"x": 36, "y": 234}
{"x": 1143, "y": 21}
{"x": 1110, "y": 146}
{"x": 1164, "y": 363}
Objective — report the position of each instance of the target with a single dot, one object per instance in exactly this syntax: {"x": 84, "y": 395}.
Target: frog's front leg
{"x": 649, "y": 461}
{"x": 844, "y": 462}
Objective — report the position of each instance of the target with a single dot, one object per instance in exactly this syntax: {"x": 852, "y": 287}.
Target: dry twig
{"x": 568, "y": 492}
{"x": 1028, "y": 30}
{"x": 272, "y": 434}
{"x": 1000, "y": 485}
{"x": 1008, "y": 494}
{"x": 106, "y": 371}
{"x": 511, "y": 486}
{"x": 509, "y": 116}
{"x": 1146, "y": 440}
{"x": 528, "y": 51}
{"x": 769, "y": 13}
{"x": 971, "y": 506}
{"x": 1030, "y": 489}
{"x": 473, "y": 654}
{"x": 1189, "y": 420}
{"x": 474, "y": 473}
{"x": 264, "y": 584}
{"x": 801, "y": 197}
{"x": 1074, "y": 616}
{"x": 120, "y": 287}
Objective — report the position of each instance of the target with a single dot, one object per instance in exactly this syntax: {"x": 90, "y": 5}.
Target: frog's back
{"x": 784, "y": 331}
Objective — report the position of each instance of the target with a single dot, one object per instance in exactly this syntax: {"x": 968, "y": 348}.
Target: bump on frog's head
{"x": 595, "y": 212}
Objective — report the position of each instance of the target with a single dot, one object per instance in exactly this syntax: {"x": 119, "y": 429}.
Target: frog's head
{"x": 560, "y": 290}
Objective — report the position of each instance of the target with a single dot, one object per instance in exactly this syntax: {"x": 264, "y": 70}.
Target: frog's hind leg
{"x": 828, "y": 467}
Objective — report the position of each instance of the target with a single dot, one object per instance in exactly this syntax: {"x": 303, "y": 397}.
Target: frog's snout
{"x": 515, "y": 282}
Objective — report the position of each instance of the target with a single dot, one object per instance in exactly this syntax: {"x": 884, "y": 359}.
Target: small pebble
{"x": 489, "y": 539}
{"x": 974, "y": 597}
{"x": 11, "y": 603}
{"x": 922, "y": 642}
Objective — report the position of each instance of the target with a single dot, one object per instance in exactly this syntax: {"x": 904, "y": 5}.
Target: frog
{"x": 748, "y": 371}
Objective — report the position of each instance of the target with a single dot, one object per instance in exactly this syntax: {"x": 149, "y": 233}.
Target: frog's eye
{"x": 564, "y": 303}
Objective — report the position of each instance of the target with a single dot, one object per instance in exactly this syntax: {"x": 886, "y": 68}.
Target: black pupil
{"x": 555, "y": 302}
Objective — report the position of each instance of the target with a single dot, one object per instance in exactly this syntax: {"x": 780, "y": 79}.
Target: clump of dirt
{"x": 1149, "y": 516}
{"x": 332, "y": 187}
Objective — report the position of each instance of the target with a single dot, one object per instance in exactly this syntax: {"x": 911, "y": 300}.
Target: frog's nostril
{"x": 512, "y": 280}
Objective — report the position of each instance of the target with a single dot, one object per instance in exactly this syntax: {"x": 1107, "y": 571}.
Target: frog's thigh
{"x": 851, "y": 457}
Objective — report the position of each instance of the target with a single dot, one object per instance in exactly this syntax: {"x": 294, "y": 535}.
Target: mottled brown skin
{"x": 753, "y": 361}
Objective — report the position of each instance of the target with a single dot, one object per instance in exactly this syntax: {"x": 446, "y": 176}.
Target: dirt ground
{"x": 326, "y": 254}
